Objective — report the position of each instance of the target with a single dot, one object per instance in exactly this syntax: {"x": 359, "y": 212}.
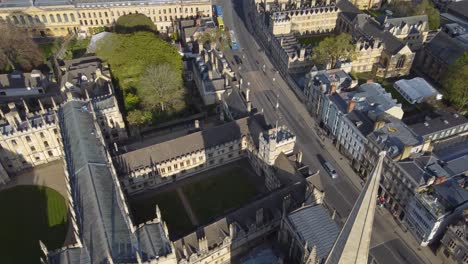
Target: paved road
{"x": 266, "y": 88}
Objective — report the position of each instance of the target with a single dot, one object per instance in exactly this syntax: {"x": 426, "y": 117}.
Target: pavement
{"x": 267, "y": 86}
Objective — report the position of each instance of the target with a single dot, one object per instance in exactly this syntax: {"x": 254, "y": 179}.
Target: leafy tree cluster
{"x": 332, "y": 48}
{"x": 424, "y": 7}
{"x": 76, "y": 48}
{"x": 134, "y": 22}
{"x": 455, "y": 83}
{"x": 215, "y": 36}
{"x": 18, "y": 50}
{"x": 148, "y": 70}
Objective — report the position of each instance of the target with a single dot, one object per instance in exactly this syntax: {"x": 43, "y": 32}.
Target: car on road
{"x": 237, "y": 59}
{"x": 330, "y": 169}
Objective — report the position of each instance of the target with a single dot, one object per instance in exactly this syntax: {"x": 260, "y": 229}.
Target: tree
{"x": 215, "y": 36}
{"x": 333, "y": 48}
{"x": 162, "y": 88}
{"x": 427, "y": 8}
{"x": 134, "y": 22}
{"x": 18, "y": 50}
{"x": 138, "y": 117}
{"x": 455, "y": 84}
{"x": 131, "y": 101}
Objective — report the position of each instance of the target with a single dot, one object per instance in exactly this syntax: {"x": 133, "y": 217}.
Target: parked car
{"x": 330, "y": 169}
{"x": 237, "y": 59}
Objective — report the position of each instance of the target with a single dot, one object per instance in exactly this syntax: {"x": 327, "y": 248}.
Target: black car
{"x": 237, "y": 59}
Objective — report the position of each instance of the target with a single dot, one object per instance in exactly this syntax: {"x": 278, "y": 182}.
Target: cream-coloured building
{"x": 156, "y": 165}
{"x": 60, "y": 18}
{"x": 31, "y": 136}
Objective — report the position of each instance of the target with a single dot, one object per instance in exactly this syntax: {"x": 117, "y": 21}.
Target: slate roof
{"x": 314, "y": 225}
{"x": 371, "y": 29}
{"x": 211, "y": 137}
{"x": 244, "y": 218}
{"x": 81, "y": 73}
{"x": 347, "y": 9}
{"x": 18, "y": 79}
{"x": 103, "y": 226}
{"x": 451, "y": 192}
{"x": 361, "y": 121}
{"x": 446, "y": 48}
{"x": 410, "y": 21}
{"x": 154, "y": 242}
{"x": 435, "y": 122}
{"x": 70, "y": 256}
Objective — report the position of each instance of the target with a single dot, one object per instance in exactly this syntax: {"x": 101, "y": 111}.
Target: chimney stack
{"x": 249, "y": 106}
{"x": 351, "y": 105}
{"x": 332, "y": 89}
{"x": 247, "y": 94}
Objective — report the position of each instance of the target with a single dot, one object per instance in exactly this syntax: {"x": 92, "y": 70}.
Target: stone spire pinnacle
{"x": 352, "y": 244}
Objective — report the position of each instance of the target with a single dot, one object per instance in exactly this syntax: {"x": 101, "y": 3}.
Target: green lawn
{"x": 314, "y": 40}
{"x": 30, "y": 214}
{"x": 230, "y": 187}
{"x": 50, "y": 48}
{"x": 76, "y": 48}
{"x": 172, "y": 210}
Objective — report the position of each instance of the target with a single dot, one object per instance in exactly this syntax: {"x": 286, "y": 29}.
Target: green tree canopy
{"x": 426, "y": 7}
{"x": 162, "y": 89}
{"x": 455, "y": 83}
{"x": 18, "y": 50}
{"x": 134, "y": 22}
{"x": 131, "y": 56}
{"x": 333, "y": 48}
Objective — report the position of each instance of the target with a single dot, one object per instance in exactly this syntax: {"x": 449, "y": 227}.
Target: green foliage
{"x": 138, "y": 117}
{"x": 76, "y": 48}
{"x": 96, "y": 30}
{"x": 162, "y": 89}
{"x": 455, "y": 83}
{"x": 30, "y": 214}
{"x": 134, "y": 59}
{"x": 48, "y": 49}
{"x": 333, "y": 48}
{"x": 215, "y": 36}
{"x": 314, "y": 40}
{"x": 131, "y": 101}
{"x": 175, "y": 36}
{"x": 425, "y": 7}
{"x": 134, "y": 22}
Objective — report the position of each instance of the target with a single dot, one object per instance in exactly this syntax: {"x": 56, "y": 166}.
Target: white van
{"x": 327, "y": 165}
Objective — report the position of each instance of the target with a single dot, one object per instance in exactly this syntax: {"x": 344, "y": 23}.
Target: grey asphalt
{"x": 388, "y": 238}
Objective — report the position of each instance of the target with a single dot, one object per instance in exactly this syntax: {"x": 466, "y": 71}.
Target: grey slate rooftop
{"x": 104, "y": 227}
{"x": 18, "y": 79}
{"x": 370, "y": 28}
{"x": 446, "y": 48}
{"x": 210, "y": 137}
{"x": 314, "y": 225}
{"x": 437, "y": 121}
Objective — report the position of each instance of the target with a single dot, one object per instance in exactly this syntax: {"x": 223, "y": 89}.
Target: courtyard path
{"x": 188, "y": 208}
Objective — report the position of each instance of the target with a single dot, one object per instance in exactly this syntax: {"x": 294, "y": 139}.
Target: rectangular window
{"x": 42, "y": 135}
{"x": 181, "y": 164}
{"x": 46, "y": 144}
{"x": 33, "y": 148}
{"x": 175, "y": 166}
{"x": 51, "y": 154}
{"x": 28, "y": 139}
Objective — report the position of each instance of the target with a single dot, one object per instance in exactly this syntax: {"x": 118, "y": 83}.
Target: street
{"x": 390, "y": 244}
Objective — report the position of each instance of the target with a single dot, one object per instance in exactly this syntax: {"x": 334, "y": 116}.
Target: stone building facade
{"x": 42, "y": 18}
{"x": 377, "y": 49}
{"x": 31, "y": 136}
{"x": 163, "y": 163}
{"x": 454, "y": 244}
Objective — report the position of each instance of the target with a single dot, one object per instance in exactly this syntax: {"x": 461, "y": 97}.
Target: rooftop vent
{"x": 446, "y": 121}
{"x": 426, "y": 124}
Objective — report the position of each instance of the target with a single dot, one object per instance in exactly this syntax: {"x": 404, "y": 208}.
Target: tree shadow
{"x": 32, "y": 215}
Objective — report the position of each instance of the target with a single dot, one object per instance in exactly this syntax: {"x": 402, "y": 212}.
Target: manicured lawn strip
{"x": 212, "y": 196}
{"x": 172, "y": 210}
{"x": 314, "y": 40}
{"x": 30, "y": 214}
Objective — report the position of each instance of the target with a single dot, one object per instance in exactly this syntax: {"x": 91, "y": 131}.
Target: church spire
{"x": 352, "y": 244}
